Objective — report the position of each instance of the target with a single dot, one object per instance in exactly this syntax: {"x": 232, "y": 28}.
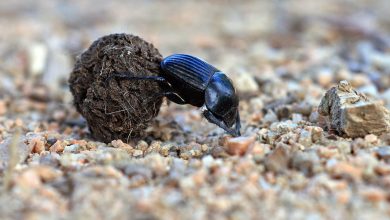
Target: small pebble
{"x": 374, "y": 194}
{"x": 346, "y": 170}
{"x": 371, "y": 138}
{"x": 238, "y": 145}
{"x": 3, "y": 107}
{"x": 38, "y": 54}
{"x": 277, "y": 160}
{"x": 137, "y": 153}
{"x": 37, "y": 145}
{"x": 383, "y": 152}
{"x": 325, "y": 78}
{"x": 74, "y": 148}
{"x": 305, "y": 162}
{"x": 245, "y": 83}
{"x": 57, "y": 147}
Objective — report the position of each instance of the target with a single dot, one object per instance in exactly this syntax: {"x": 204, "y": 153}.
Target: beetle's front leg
{"x": 209, "y": 116}
{"x": 238, "y": 124}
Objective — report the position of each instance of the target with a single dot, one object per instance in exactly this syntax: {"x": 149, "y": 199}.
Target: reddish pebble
{"x": 371, "y": 138}
{"x": 3, "y": 107}
{"x": 37, "y": 145}
{"x": 374, "y": 194}
{"x": 343, "y": 197}
{"x": 382, "y": 169}
{"x": 327, "y": 152}
{"x": 257, "y": 149}
{"x": 29, "y": 179}
{"x": 346, "y": 170}
{"x": 57, "y": 147}
{"x": 120, "y": 144}
{"x": 46, "y": 173}
{"x": 238, "y": 145}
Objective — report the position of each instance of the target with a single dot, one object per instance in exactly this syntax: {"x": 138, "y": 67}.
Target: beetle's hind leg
{"x": 126, "y": 76}
{"x": 174, "y": 97}
{"x": 164, "y": 84}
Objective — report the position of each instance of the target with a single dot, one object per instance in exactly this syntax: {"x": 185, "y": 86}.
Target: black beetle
{"x": 189, "y": 80}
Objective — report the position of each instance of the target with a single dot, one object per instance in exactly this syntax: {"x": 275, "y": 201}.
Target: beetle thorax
{"x": 221, "y": 98}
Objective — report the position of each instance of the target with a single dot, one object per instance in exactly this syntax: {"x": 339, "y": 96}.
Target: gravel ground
{"x": 282, "y": 56}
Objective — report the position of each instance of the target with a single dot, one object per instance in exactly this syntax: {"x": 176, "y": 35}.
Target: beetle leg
{"x": 166, "y": 86}
{"x": 174, "y": 97}
{"x": 209, "y": 116}
{"x": 238, "y": 124}
{"x": 125, "y": 76}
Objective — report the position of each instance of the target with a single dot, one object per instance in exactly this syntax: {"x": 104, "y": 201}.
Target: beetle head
{"x": 221, "y": 99}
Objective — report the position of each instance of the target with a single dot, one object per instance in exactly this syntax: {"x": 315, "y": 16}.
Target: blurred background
{"x": 40, "y": 38}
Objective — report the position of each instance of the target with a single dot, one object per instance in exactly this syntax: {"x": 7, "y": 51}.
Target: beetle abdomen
{"x": 189, "y": 70}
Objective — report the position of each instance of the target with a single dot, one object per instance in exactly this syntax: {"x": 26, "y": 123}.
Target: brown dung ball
{"x": 117, "y": 108}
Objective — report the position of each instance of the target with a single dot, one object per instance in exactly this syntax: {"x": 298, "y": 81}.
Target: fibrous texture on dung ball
{"x": 117, "y": 108}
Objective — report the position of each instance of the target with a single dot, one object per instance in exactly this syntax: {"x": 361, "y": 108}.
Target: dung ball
{"x": 117, "y": 108}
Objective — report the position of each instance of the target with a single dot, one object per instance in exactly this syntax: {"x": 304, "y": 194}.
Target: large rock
{"x": 351, "y": 113}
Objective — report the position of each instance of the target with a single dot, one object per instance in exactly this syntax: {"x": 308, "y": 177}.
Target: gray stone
{"x": 383, "y": 152}
{"x": 305, "y": 162}
{"x": 22, "y": 151}
{"x": 352, "y": 114}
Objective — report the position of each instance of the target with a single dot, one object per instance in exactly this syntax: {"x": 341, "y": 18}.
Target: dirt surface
{"x": 282, "y": 57}
{"x": 121, "y": 110}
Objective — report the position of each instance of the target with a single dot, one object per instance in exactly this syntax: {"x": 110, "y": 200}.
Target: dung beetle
{"x": 189, "y": 80}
